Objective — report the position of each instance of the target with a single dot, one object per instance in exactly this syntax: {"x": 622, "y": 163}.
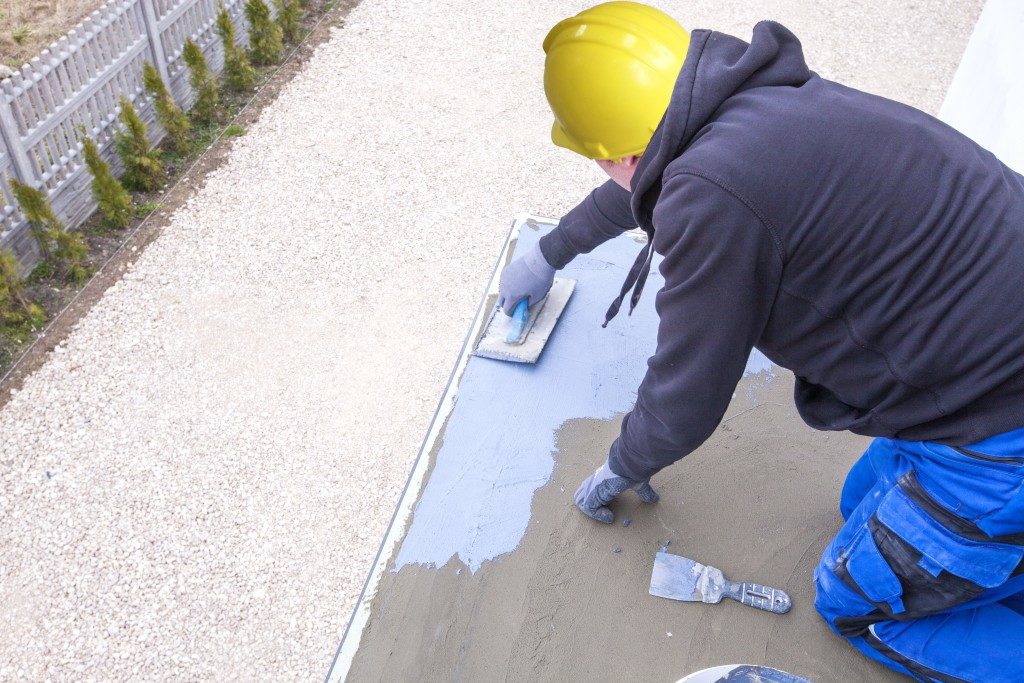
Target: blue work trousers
{"x": 927, "y": 574}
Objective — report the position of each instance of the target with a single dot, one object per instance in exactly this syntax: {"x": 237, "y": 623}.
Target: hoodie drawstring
{"x": 636, "y": 280}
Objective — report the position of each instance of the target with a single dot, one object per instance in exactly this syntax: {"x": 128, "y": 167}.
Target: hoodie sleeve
{"x": 722, "y": 269}
{"x": 604, "y": 214}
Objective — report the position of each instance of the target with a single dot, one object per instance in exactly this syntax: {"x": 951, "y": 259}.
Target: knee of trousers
{"x": 892, "y": 560}
{"x": 846, "y": 612}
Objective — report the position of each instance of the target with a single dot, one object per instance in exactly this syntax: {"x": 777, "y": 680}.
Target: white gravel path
{"x": 195, "y": 484}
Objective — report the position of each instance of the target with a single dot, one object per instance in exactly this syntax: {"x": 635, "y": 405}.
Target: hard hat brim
{"x": 562, "y": 139}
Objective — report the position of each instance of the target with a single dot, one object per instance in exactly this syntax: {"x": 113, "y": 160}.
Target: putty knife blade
{"x": 676, "y": 577}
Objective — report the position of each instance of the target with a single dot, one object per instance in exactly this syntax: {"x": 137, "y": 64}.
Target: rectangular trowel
{"x": 680, "y": 578}
{"x": 521, "y": 337}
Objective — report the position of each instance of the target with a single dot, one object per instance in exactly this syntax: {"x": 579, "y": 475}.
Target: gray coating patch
{"x": 497, "y": 448}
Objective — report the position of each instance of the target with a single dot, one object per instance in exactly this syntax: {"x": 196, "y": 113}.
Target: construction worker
{"x": 863, "y": 244}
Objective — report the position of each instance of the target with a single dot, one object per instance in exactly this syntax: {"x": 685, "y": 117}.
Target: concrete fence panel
{"x": 73, "y": 89}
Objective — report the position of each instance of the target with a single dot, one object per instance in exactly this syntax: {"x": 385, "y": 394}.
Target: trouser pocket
{"x": 985, "y": 490}
{"x": 908, "y": 565}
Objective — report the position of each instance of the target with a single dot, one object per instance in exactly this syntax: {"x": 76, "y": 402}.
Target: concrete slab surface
{"x": 496, "y": 575}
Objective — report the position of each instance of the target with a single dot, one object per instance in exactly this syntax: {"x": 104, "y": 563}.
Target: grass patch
{"x": 44, "y": 271}
{"x": 146, "y": 208}
{"x": 204, "y": 136}
{"x": 14, "y": 336}
{"x": 234, "y": 131}
{"x": 21, "y": 34}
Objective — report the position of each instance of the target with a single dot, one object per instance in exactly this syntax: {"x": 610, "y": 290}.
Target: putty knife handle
{"x": 759, "y": 596}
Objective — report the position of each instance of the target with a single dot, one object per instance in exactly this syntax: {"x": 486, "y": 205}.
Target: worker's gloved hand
{"x": 600, "y": 488}
{"x": 529, "y": 276}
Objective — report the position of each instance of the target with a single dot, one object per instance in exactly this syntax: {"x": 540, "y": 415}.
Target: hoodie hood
{"x": 717, "y": 66}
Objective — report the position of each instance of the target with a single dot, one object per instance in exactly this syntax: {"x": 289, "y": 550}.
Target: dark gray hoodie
{"x": 861, "y": 243}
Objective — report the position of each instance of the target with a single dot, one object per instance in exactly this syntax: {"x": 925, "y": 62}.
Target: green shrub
{"x": 143, "y": 169}
{"x": 288, "y": 12}
{"x": 265, "y": 42}
{"x": 66, "y": 250}
{"x": 203, "y": 84}
{"x": 168, "y": 113}
{"x": 42, "y": 221}
{"x": 15, "y": 308}
{"x": 72, "y": 256}
{"x": 113, "y": 200}
{"x": 238, "y": 72}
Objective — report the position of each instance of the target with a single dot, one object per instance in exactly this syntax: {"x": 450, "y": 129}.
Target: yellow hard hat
{"x": 608, "y": 77}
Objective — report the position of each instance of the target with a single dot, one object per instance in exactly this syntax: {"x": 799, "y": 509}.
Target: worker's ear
{"x": 624, "y": 162}
{"x": 620, "y": 171}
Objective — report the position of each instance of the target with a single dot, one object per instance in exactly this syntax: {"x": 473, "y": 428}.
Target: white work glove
{"x": 527, "y": 277}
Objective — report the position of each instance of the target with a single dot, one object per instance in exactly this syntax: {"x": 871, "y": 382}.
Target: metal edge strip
{"x": 353, "y": 634}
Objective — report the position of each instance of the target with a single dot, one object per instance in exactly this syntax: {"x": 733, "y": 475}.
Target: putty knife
{"x": 521, "y": 337}
{"x": 680, "y": 578}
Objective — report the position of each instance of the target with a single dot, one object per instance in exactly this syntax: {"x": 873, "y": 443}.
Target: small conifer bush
{"x": 288, "y": 12}
{"x": 265, "y": 42}
{"x": 72, "y": 255}
{"x": 113, "y": 200}
{"x": 42, "y": 221}
{"x": 168, "y": 113}
{"x": 15, "y": 308}
{"x": 238, "y": 72}
{"x": 143, "y": 169}
{"x": 204, "y": 110}
{"x": 66, "y": 250}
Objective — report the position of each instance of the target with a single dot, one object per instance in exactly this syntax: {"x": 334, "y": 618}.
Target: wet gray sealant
{"x": 498, "y": 446}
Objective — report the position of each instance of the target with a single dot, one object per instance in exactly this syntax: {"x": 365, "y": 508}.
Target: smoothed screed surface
{"x": 498, "y": 442}
{"x": 499, "y": 576}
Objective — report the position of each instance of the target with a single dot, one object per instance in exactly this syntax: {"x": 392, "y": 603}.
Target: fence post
{"x": 20, "y": 164}
{"x": 152, "y": 23}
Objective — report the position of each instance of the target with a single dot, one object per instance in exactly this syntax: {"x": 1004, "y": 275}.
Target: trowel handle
{"x": 520, "y": 312}
{"x": 520, "y": 315}
{"x": 761, "y": 597}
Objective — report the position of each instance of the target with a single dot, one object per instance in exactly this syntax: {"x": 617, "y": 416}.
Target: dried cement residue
{"x": 757, "y": 501}
{"x": 497, "y": 447}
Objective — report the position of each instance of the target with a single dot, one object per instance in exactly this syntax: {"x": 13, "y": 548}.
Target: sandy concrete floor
{"x": 196, "y": 483}
{"x": 571, "y": 603}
